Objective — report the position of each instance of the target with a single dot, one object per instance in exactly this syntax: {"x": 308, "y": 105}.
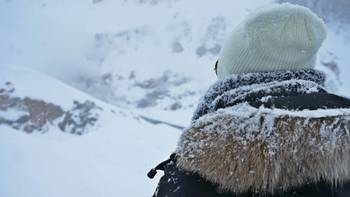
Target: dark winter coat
{"x": 264, "y": 134}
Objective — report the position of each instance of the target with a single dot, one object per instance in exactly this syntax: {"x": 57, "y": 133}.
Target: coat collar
{"x": 249, "y": 79}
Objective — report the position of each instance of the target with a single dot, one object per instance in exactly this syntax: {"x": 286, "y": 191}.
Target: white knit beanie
{"x": 278, "y": 37}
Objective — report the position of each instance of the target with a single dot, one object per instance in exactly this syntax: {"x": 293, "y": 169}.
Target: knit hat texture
{"x": 277, "y": 37}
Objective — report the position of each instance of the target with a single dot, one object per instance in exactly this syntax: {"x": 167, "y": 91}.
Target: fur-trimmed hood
{"x": 242, "y": 147}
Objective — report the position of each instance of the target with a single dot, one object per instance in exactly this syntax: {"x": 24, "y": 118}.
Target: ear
{"x": 216, "y": 67}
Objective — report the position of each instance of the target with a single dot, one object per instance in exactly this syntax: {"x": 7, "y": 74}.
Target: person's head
{"x": 277, "y": 37}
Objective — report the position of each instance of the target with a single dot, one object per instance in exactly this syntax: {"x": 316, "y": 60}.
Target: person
{"x": 268, "y": 126}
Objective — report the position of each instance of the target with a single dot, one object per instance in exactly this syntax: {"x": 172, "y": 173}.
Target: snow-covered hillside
{"x": 154, "y": 56}
{"x": 111, "y": 160}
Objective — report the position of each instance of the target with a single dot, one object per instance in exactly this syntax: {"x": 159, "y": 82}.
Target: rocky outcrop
{"x": 80, "y": 118}
{"x": 34, "y": 115}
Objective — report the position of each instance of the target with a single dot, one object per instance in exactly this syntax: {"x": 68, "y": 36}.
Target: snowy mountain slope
{"x": 154, "y": 56}
{"x": 171, "y": 51}
{"x": 110, "y": 160}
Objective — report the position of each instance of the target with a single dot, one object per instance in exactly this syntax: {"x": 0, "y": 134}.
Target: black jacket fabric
{"x": 178, "y": 183}
{"x": 288, "y": 90}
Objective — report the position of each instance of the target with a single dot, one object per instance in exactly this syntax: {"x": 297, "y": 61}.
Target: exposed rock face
{"x": 80, "y": 118}
{"x": 166, "y": 91}
{"x": 123, "y": 83}
{"x": 31, "y": 115}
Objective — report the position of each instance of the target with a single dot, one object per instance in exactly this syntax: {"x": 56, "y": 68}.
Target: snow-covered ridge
{"x": 115, "y": 153}
{"x": 31, "y": 115}
{"x": 31, "y": 101}
{"x": 25, "y": 104}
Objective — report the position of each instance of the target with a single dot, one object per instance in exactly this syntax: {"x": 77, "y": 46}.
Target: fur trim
{"x": 242, "y": 148}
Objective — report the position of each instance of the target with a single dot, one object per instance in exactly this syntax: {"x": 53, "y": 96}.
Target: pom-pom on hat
{"x": 277, "y": 37}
